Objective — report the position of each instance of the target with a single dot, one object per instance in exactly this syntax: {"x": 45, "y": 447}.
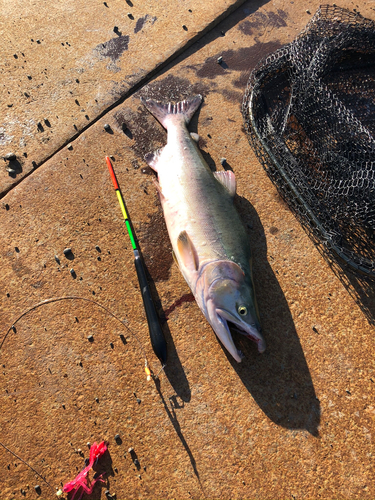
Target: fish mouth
{"x": 250, "y": 331}
{"x": 220, "y": 319}
{"x": 258, "y": 340}
{"x": 221, "y": 329}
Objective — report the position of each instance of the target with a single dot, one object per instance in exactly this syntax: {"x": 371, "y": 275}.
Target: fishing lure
{"x": 81, "y": 480}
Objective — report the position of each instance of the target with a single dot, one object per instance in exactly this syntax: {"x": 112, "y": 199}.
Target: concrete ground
{"x": 294, "y": 422}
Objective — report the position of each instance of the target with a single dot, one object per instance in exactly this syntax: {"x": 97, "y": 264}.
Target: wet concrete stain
{"x": 260, "y": 20}
{"x": 146, "y": 134}
{"x": 232, "y": 95}
{"x": 114, "y": 48}
{"x": 156, "y": 248}
{"x": 249, "y": 27}
{"x": 243, "y": 59}
{"x": 242, "y": 80}
{"x": 123, "y": 117}
{"x": 142, "y": 21}
{"x": 142, "y": 128}
{"x": 278, "y": 19}
{"x": 173, "y": 88}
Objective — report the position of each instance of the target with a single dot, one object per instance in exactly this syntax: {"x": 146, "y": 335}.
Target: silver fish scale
{"x": 218, "y": 219}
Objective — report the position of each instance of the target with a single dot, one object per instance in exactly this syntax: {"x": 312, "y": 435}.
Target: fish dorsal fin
{"x": 187, "y": 252}
{"x": 228, "y": 180}
{"x": 152, "y": 158}
{"x": 170, "y": 113}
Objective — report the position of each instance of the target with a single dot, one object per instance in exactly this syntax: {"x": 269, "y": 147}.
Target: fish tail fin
{"x": 170, "y": 113}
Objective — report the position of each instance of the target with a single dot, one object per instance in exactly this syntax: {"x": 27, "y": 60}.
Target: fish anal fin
{"x": 152, "y": 158}
{"x": 187, "y": 252}
{"x": 228, "y": 180}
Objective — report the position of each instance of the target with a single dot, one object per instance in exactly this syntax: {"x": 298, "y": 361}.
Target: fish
{"x": 209, "y": 241}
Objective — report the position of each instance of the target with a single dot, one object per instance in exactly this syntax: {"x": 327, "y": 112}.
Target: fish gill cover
{"x": 309, "y": 112}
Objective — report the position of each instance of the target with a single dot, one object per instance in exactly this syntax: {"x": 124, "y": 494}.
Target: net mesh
{"x": 309, "y": 112}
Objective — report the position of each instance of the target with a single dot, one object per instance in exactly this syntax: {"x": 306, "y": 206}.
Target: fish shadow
{"x": 360, "y": 287}
{"x": 279, "y": 380}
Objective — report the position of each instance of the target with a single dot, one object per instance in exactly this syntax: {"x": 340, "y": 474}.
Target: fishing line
{"x": 148, "y": 371}
{"x": 156, "y": 334}
{"x": 28, "y": 465}
{"x": 74, "y": 297}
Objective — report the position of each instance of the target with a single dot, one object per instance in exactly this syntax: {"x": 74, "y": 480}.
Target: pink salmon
{"x": 209, "y": 241}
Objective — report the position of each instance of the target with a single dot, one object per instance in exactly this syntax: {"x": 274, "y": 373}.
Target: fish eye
{"x": 242, "y": 310}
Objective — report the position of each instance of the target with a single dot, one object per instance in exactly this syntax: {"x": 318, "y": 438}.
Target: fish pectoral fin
{"x": 175, "y": 258}
{"x": 228, "y": 180}
{"x": 187, "y": 252}
{"x": 152, "y": 158}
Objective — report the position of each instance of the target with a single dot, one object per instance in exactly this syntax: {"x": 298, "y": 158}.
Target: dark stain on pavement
{"x": 114, "y": 48}
{"x": 260, "y": 20}
{"x": 173, "y": 89}
{"x": 254, "y": 25}
{"x": 142, "y": 21}
{"x": 156, "y": 248}
{"x": 139, "y": 25}
{"x": 242, "y": 80}
{"x": 232, "y": 95}
{"x": 187, "y": 297}
{"x": 143, "y": 130}
{"x": 243, "y": 59}
{"x": 278, "y": 19}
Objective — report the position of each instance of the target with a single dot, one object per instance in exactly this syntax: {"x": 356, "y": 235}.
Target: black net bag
{"x": 309, "y": 112}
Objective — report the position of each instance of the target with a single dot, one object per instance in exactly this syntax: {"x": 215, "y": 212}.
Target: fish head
{"x": 226, "y": 296}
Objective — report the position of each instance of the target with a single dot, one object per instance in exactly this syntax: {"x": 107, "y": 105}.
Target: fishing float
{"x": 158, "y": 342}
